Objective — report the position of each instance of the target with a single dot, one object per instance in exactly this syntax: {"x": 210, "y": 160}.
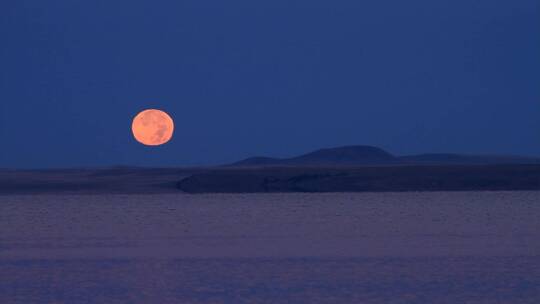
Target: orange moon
{"x": 152, "y": 127}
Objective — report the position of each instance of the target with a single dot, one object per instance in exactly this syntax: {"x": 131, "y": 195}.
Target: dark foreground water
{"x": 464, "y": 247}
{"x": 348, "y": 280}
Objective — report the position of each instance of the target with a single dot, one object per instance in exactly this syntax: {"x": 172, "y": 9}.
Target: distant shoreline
{"x": 398, "y": 178}
{"x": 366, "y": 179}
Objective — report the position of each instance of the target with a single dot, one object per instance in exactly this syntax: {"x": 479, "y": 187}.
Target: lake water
{"x": 438, "y": 247}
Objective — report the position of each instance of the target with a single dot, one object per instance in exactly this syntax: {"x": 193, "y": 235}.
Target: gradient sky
{"x": 275, "y": 78}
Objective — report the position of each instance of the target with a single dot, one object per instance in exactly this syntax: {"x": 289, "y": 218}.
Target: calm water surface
{"x": 460, "y": 247}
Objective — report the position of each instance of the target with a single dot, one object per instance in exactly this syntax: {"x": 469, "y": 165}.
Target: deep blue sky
{"x": 277, "y": 78}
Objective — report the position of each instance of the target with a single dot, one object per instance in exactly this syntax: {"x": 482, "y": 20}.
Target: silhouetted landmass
{"x": 447, "y": 158}
{"x": 368, "y": 155}
{"x": 273, "y": 179}
{"x": 349, "y": 155}
{"x": 90, "y": 181}
{"x": 364, "y": 179}
{"x": 352, "y": 168}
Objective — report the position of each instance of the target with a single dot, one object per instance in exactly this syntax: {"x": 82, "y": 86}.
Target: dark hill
{"x": 369, "y": 156}
{"x": 347, "y": 156}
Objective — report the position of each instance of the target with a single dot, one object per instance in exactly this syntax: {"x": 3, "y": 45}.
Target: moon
{"x": 152, "y": 127}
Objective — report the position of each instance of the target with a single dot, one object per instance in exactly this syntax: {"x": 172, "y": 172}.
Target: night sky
{"x": 275, "y": 78}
